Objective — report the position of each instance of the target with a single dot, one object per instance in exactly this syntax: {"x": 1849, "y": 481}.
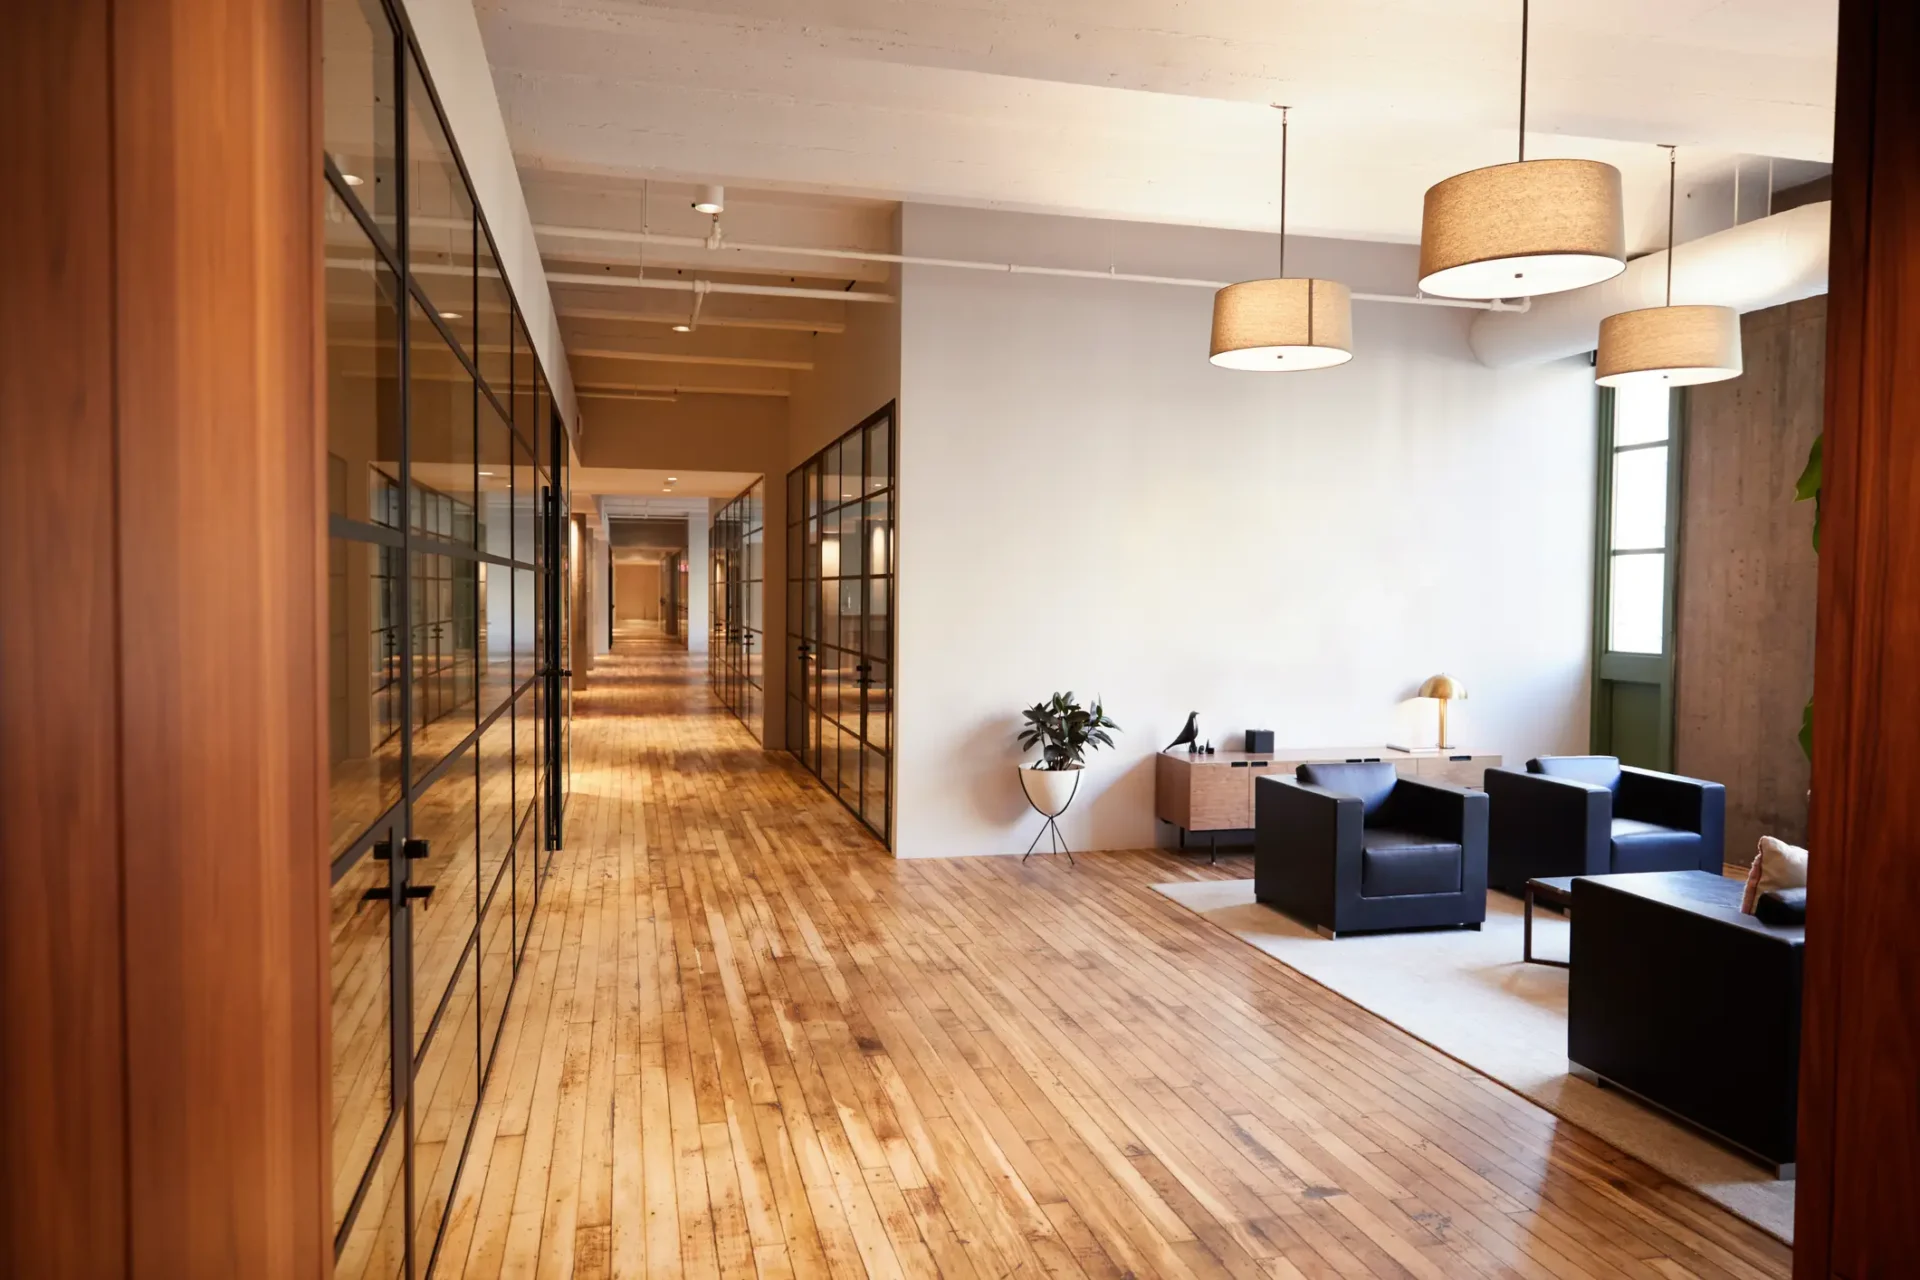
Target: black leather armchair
{"x": 1589, "y": 816}
{"x": 1351, "y": 847}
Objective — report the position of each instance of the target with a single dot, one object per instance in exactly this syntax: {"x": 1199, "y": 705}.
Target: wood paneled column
{"x": 1860, "y": 1063}
{"x": 163, "y": 1003}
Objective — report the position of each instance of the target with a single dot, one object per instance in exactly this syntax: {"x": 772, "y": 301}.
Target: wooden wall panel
{"x": 1860, "y": 1051}
{"x": 163, "y": 1094}
{"x": 62, "y": 1150}
{"x": 1748, "y": 577}
{"x": 220, "y": 520}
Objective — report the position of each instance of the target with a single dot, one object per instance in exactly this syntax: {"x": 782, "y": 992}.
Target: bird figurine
{"x": 1189, "y": 734}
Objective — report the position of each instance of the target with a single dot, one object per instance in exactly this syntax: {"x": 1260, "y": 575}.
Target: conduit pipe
{"x": 1763, "y": 263}
{"x": 715, "y": 286}
{"x": 959, "y": 264}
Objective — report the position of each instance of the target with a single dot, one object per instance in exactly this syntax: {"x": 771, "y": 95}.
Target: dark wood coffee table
{"x": 1555, "y": 891}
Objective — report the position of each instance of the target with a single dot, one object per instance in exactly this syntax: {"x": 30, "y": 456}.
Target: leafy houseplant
{"x": 1064, "y": 731}
{"x": 1807, "y": 489}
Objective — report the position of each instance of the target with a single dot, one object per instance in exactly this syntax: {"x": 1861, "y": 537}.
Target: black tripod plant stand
{"x": 1051, "y": 829}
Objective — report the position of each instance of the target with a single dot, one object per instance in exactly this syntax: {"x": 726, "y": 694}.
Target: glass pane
{"x": 496, "y": 967}
{"x": 879, "y": 706}
{"x": 443, "y": 925}
{"x": 439, "y": 215}
{"x": 1640, "y": 414}
{"x": 362, "y": 1025}
{"x": 363, "y": 691}
{"x": 445, "y": 647}
{"x": 356, "y": 68}
{"x": 1640, "y": 499}
{"x": 850, "y": 768}
{"x": 523, "y": 365}
{"x": 542, "y": 424}
{"x": 441, "y": 436}
{"x": 1636, "y": 618}
{"x": 376, "y": 1248}
{"x": 524, "y": 764}
{"x": 873, "y": 802}
{"x": 493, "y": 322}
{"x": 363, "y": 371}
{"x": 496, "y": 801}
{"x": 879, "y": 634}
{"x": 879, "y": 460}
{"x": 494, "y": 481}
{"x": 525, "y": 873}
{"x": 446, "y": 1095}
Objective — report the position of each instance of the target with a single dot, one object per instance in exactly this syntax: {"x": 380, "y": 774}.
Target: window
{"x": 1639, "y": 489}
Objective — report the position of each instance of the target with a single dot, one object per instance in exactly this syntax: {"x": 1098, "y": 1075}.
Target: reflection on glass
{"x": 496, "y": 966}
{"x": 1636, "y": 620}
{"x": 363, "y": 369}
{"x": 376, "y": 1247}
{"x": 362, "y": 1044}
{"x": 496, "y": 801}
{"x": 445, "y": 637}
{"x": 443, "y": 924}
{"x": 524, "y": 364}
{"x": 526, "y": 871}
{"x": 446, "y": 1093}
{"x": 493, "y": 323}
{"x": 439, "y": 215}
{"x": 1640, "y": 499}
{"x": 441, "y": 500}
{"x": 363, "y": 694}
{"x": 356, "y": 71}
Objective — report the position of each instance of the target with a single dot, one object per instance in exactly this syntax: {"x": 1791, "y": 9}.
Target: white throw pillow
{"x": 1782, "y": 865}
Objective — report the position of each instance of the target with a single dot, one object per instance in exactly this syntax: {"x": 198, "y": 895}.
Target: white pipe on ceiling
{"x": 715, "y": 286}
{"x": 960, "y": 264}
{"x": 1764, "y": 263}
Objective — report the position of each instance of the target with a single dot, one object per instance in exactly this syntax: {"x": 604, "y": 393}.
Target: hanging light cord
{"x": 1672, "y": 188}
{"x": 1523, "y": 79}
{"x": 1283, "y": 192}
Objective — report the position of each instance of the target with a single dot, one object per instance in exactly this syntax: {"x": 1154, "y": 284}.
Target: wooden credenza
{"x": 1215, "y": 793}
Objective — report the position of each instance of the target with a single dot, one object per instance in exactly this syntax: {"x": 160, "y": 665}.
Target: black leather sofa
{"x": 1678, "y": 998}
{"x": 1589, "y": 816}
{"x": 1352, "y": 847}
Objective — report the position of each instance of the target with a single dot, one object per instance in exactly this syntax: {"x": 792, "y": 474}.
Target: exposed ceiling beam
{"x": 706, "y": 320}
{"x": 716, "y": 286}
{"x": 675, "y": 357}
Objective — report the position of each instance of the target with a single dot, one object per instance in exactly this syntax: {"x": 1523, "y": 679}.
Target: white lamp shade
{"x": 1522, "y": 230}
{"x": 1281, "y": 326}
{"x": 1676, "y": 346}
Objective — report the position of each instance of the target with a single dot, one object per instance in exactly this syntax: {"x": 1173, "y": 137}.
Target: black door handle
{"x": 420, "y": 893}
{"x": 416, "y": 848}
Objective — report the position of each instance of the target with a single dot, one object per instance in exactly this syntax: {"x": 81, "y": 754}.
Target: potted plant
{"x": 1064, "y": 731}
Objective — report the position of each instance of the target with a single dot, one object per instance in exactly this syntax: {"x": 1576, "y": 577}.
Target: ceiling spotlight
{"x": 486, "y": 473}
{"x": 673, "y": 479}
{"x": 449, "y": 315}
{"x": 353, "y": 179}
{"x": 712, "y": 200}
{"x": 683, "y": 327}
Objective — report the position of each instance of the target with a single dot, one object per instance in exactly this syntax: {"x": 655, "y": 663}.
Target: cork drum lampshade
{"x": 1284, "y": 324}
{"x": 1679, "y": 346}
{"x": 1523, "y": 229}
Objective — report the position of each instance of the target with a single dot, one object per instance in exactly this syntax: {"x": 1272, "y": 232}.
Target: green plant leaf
{"x": 1812, "y": 479}
{"x": 1806, "y": 729}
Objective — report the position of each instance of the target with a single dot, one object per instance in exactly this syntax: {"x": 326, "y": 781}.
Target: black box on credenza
{"x": 1260, "y": 740}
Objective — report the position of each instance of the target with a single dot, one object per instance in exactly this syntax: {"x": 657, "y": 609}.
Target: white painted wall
{"x": 449, "y": 36}
{"x": 699, "y": 585}
{"x": 1087, "y": 504}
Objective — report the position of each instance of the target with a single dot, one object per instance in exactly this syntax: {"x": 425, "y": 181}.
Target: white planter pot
{"x": 1049, "y": 790}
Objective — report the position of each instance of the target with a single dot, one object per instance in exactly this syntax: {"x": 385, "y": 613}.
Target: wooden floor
{"x": 753, "y": 1043}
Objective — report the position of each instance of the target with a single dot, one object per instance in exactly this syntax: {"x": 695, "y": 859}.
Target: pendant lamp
{"x": 1282, "y": 325}
{"x": 1524, "y": 229}
{"x": 1675, "y": 346}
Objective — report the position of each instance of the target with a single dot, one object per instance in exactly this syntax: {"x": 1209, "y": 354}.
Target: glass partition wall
{"x": 839, "y": 653}
{"x": 444, "y": 482}
{"x": 736, "y": 647}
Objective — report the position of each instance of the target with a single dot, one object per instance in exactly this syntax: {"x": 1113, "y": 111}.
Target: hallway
{"x": 754, "y": 1043}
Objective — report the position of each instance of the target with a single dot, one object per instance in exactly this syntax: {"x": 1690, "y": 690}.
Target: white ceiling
{"x": 1143, "y": 110}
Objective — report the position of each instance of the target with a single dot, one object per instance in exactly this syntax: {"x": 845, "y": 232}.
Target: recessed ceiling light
{"x": 683, "y": 328}
{"x": 673, "y": 479}
{"x": 449, "y": 315}
{"x": 486, "y": 473}
{"x": 353, "y": 179}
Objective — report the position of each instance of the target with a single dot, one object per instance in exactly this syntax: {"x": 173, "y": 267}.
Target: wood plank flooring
{"x": 755, "y": 1044}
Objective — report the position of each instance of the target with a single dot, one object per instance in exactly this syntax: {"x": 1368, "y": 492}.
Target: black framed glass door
{"x": 737, "y": 541}
{"x": 442, "y": 442}
{"x": 841, "y": 508}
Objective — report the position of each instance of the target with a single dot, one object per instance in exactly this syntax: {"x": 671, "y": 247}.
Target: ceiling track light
{"x": 713, "y": 199}
{"x": 1524, "y": 229}
{"x": 1674, "y": 346}
{"x": 1282, "y": 325}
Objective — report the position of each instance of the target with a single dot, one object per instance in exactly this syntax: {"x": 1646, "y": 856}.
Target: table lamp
{"x": 1446, "y": 689}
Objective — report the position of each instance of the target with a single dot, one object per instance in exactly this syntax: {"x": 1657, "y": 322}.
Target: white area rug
{"x": 1470, "y": 996}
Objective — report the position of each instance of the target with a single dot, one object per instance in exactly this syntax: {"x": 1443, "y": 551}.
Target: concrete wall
{"x": 1748, "y": 575}
{"x": 1087, "y": 504}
